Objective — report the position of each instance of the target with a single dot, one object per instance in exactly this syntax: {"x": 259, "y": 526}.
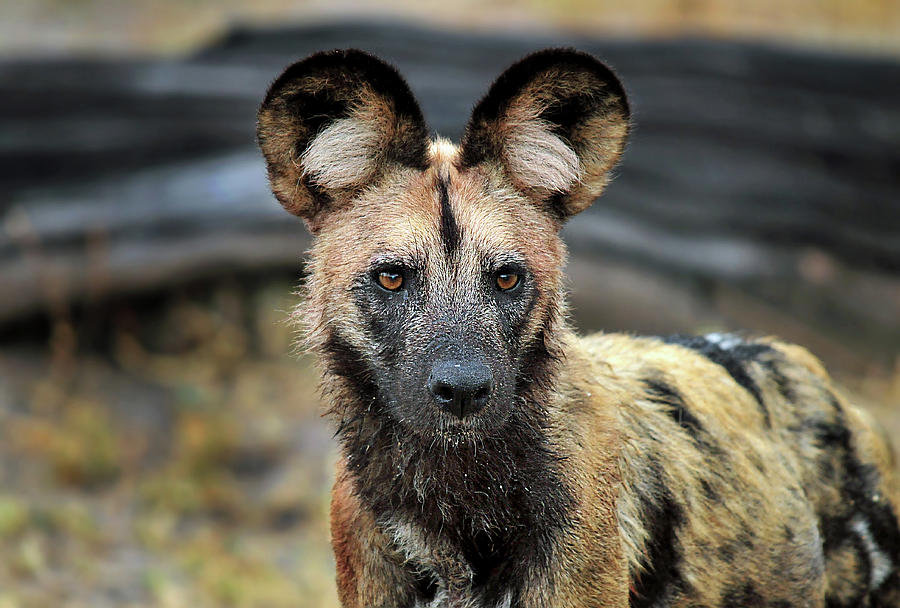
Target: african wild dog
{"x": 491, "y": 458}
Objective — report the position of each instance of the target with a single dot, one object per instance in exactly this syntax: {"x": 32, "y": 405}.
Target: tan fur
{"x": 602, "y": 429}
{"x": 443, "y": 153}
{"x": 367, "y": 566}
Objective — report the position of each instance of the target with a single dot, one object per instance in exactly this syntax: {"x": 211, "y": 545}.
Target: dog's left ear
{"x": 555, "y": 123}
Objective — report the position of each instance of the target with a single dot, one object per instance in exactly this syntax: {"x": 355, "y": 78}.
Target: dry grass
{"x": 185, "y": 467}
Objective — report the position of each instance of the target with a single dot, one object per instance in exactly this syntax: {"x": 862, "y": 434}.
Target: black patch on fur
{"x": 746, "y": 537}
{"x": 450, "y": 234}
{"x": 556, "y": 206}
{"x": 568, "y": 112}
{"x": 535, "y": 361}
{"x": 659, "y": 391}
{"x": 478, "y": 143}
{"x": 485, "y": 555}
{"x": 732, "y": 359}
{"x": 320, "y": 108}
{"x": 320, "y": 196}
{"x": 785, "y": 388}
{"x": 663, "y": 517}
{"x": 727, "y": 553}
{"x": 858, "y": 483}
{"x": 383, "y": 318}
{"x": 743, "y": 596}
{"x": 347, "y": 362}
{"x": 345, "y": 71}
{"x": 514, "y": 316}
{"x": 709, "y": 491}
{"x": 739, "y": 545}
{"x": 426, "y": 584}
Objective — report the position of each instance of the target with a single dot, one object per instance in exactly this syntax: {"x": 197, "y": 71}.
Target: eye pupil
{"x": 507, "y": 281}
{"x": 391, "y": 281}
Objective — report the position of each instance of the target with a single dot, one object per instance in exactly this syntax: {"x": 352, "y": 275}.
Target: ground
{"x": 173, "y": 453}
{"x": 185, "y": 465}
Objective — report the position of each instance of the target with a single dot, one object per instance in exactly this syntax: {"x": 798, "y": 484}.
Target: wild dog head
{"x": 434, "y": 287}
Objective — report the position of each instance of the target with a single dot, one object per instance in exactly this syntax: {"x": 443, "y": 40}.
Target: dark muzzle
{"x": 461, "y": 387}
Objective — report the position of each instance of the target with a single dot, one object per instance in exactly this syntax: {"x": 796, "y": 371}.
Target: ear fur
{"x": 555, "y": 123}
{"x": 331, "y": 124}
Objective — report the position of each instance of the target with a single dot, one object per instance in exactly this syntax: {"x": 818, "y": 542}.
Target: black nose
{"x": 461, "y": 387}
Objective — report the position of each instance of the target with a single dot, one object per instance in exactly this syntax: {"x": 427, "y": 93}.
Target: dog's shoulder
{"x": 731, "y": 445}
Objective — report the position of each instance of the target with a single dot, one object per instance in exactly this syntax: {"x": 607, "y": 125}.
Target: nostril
{"x": 443, "y": 392}
{"x": 460, "y": 387}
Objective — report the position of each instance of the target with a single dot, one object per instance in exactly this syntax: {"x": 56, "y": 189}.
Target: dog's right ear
{"x": 331, "y": 124}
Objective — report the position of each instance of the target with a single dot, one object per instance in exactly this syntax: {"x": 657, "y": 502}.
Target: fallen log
{"x": 747, "y": 162}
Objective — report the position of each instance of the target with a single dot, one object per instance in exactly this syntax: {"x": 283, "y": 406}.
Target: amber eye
{"x": 392, "y": 281}
{"x": 507, "y": 280}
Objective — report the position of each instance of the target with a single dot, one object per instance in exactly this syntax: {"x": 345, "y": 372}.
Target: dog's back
{"x": 747, "y": 481}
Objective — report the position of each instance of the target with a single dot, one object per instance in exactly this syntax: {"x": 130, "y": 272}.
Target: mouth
{"x": 434, "y": 422}
{"x": 456, "y": 404}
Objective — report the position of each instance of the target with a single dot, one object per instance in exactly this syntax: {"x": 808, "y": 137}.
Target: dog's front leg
{"x": 369, "y": 573}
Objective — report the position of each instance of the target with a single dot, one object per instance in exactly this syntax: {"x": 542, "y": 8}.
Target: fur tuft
{"x": 343, "y": 154}
{"x": 538, "y": 158}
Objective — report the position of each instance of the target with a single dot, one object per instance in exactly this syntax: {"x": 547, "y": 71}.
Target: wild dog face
{"x": 436, "y": 270}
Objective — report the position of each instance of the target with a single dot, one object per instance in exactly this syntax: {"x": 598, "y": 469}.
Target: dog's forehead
{"x": 442, "y": 214}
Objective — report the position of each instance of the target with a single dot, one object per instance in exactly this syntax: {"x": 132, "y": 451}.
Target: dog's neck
{"x": 471, "y": 510}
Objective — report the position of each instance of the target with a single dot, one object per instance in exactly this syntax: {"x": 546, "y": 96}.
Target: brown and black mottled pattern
{"x": 794, "y": 480}
{"x": 732, "y": 359}
{"x": 606, "y": 471}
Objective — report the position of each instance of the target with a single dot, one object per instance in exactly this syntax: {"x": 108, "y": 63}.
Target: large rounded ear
{"x": 554, "y": 123}
{"x": 332, "y": 124}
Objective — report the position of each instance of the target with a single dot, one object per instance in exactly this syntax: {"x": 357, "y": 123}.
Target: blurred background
{"x": 160, "y": 438}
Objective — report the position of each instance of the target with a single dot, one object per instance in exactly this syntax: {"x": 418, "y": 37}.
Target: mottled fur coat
{"x": 492, "y": 459}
